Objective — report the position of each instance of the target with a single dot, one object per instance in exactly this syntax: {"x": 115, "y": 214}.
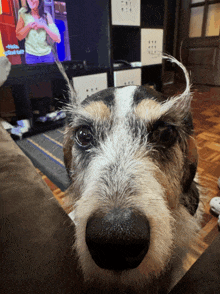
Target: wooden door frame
{"x": 187, "y": 47}
{"x": 183, "y": 40}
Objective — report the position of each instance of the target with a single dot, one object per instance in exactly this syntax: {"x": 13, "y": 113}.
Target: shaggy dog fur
{"x": 131, "y": 155}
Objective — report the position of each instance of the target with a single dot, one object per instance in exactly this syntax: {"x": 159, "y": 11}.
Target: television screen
{"x": 34, "y": 31}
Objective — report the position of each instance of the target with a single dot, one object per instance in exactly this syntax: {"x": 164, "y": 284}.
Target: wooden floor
{"x": 206, "y": 114}
{"x": 206, "y": 117}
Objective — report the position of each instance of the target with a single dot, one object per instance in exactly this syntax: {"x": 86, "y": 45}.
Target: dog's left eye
{"x": 84, "y": 136}
{"x": 163, "y": 134}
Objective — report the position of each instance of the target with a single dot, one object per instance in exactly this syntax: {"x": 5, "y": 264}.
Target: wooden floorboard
{"x": 58, "y": 194}
{"x": 206, "y": 115}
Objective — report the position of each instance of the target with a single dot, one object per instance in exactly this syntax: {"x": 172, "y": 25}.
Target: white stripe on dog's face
{"x": 123, "y": 101}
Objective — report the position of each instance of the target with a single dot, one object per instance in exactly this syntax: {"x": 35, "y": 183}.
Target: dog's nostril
{"x": 119, "y": 240}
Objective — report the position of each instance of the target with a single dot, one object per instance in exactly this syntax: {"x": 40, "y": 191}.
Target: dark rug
{"x": 46, "y": 153}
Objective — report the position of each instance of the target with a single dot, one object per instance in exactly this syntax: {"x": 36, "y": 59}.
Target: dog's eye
{"x": 163, "y": 134}
{"x": 84, "y": 136}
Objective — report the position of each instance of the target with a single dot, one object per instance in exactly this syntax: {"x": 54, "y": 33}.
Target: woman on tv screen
{"x": 39, "y": 31}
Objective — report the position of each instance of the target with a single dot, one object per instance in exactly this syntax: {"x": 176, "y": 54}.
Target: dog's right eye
{"x": 163, "y": 134}
{"x": 84, "y": 136}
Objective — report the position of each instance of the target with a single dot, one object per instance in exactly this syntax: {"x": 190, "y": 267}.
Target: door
{"x": 199, "y": 29}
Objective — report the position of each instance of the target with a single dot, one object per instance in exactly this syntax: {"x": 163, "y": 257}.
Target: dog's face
{"x": 132, "y": 161}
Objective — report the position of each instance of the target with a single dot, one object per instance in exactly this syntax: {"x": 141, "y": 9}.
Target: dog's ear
{"x": 69, "y": 107}
{"x": 179, "y": 106}
{"x": 72, "y": 93}
{"x": 190, "y": 196}
{"x": 5, "y": 67}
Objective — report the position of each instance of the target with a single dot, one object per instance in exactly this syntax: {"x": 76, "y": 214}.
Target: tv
{"x": 16, "y": 17}
{"x": 36, "y": 32}
{"x": 80, "y": 41}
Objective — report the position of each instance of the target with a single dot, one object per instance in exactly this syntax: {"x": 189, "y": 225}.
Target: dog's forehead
{"x": 124, "y": 100}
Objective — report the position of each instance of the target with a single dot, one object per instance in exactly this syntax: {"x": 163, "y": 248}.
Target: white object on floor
{"x": 215, "y": 205}
{"x": 24, "y": 124}
{"x": 56, "y": 115}
{"x": 6, "y": 125}
{"x": 51, "y": 115}
{"x": 23, "y": 127}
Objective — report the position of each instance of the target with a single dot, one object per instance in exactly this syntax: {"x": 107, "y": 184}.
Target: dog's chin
{"x": 126, "y": 281}
{"x": 121, "y": 282}
{"x": 118, "y": 283}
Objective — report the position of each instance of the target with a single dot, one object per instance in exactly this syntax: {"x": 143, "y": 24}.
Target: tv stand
{"x": 29, "y": 94}
{"x": 40, "y": 128}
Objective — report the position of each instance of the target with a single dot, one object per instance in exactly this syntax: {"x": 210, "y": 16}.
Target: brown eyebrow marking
{"x": 98, "y": 110}
{"x": 148, "y": 109}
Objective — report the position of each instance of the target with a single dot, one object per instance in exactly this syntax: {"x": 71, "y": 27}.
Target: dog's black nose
{"x": 118, "y": 240}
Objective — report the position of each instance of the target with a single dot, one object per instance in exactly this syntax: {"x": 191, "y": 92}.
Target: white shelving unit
{"x": 136, "y": 38}
{"x": 91, "y": 84}
{"x": 134, "y": 41}
{"x": 129, "y": 77}
{"x": 126, "y": 12}
{"x": 151, "y": 46}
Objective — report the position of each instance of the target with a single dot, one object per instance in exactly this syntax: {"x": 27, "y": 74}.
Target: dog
{"x": 132, "y": 160}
